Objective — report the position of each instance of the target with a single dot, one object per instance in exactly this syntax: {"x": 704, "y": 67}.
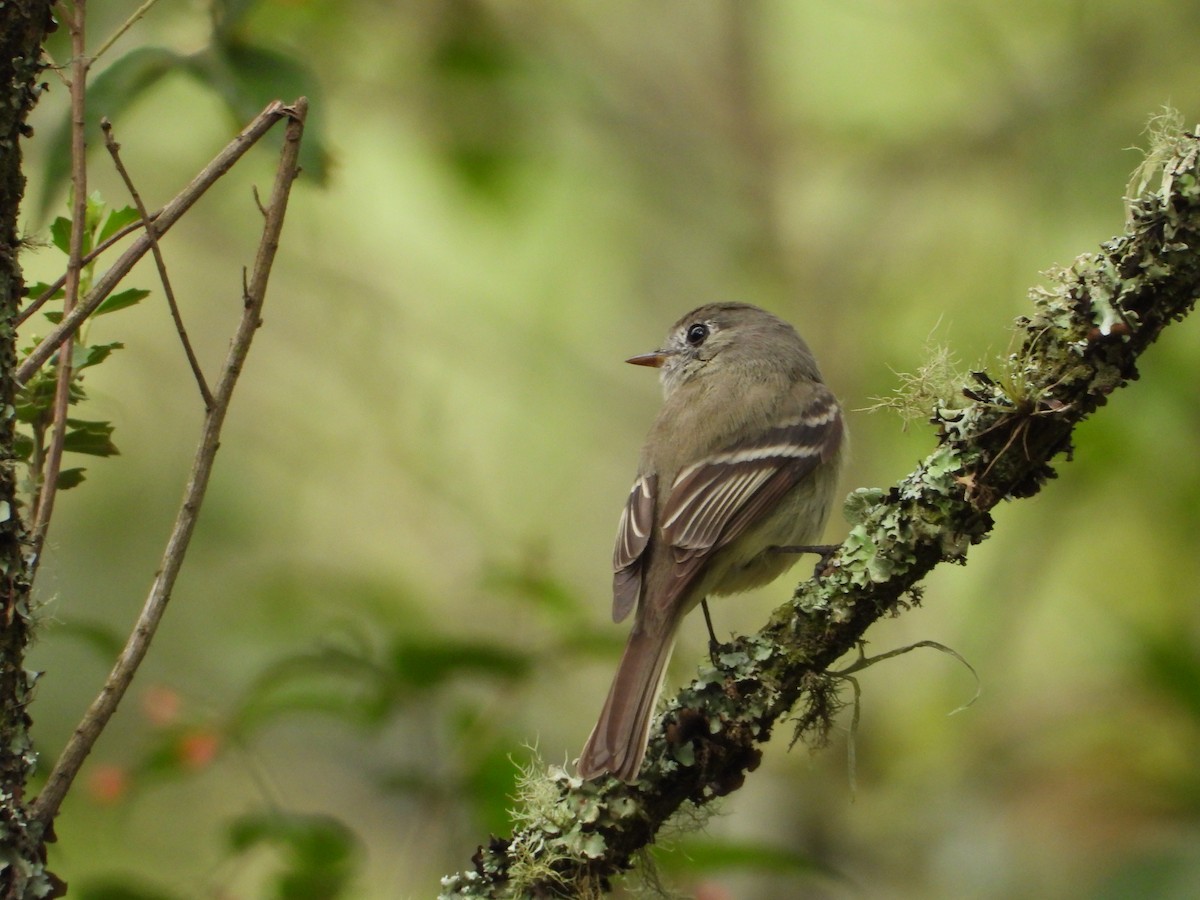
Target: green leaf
{"x": 354, "y": 684}
{"x": 38, "y": 288}
{"x": 60, "y": 234}
{"x": 1170, "y": 664}
{"x": 105, "y": 641}
{"x": 537, "y": 588}
{"x": 110, "y": 93}
{"x": 472, "y": 45}
{"x": 121, "y": 300}
{"x": 476, "y": 98}
{"x": 228, "y": 14}
{"x": 69, "y": 478}
{"x": 95, "y": 210}
{"x": 116, "y": 221}
{"x": 37, "y": 397}
{"x": 83, "y": 357}
{"x": 425, "y": 663}
{"x": 111, "y": 889}
{"x": 172, "y": 752}
{"x": 341, "y": 682}
{"x": 247, "y": 77}
{"x": 92, "y": 438}
{"x": 490, "y": 780}
{"x": 320, "y": 852}
{"x": 1167, "y": 873}
{"x": 415, "y": 781}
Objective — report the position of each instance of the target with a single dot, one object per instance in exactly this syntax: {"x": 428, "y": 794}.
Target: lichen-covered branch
{"x": 1080, "y": 342}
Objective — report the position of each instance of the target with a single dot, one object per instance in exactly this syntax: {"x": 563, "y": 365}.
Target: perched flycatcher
{"x": 742, "y": 459}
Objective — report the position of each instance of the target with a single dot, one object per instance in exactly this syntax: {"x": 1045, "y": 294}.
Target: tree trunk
{"x": 24, "y": 25}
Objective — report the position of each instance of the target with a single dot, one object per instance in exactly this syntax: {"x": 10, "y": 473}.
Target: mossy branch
{"x": 1080, "y": 343}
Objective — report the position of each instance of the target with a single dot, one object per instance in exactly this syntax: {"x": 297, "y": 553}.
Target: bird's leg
{"x": 713, "y": 644}
{"x": 825, "y": 551}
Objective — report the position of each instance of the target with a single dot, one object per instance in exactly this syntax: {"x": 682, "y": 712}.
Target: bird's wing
{"x": 714, "y": 501}
{"x": 633, "y": 534}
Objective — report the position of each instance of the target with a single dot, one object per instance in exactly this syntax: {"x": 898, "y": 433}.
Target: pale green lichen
{"x": 552, "y": 818}
{"x": 1167, "y": 143}
{"x": 859, "y": 503}
{"x": 934, "y": 385}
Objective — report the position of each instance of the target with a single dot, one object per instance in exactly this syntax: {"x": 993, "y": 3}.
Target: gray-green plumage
{"x": 743, "y": 457}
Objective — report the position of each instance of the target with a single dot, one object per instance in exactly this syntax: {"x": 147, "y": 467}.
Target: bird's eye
{"x": 697, "y": 333}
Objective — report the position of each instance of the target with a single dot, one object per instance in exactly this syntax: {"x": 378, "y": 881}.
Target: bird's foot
{"x": 824, "y": 551}
{"x": 714, "y": 646}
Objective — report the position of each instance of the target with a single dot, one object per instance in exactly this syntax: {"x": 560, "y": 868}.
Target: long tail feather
{"x": 618, "y": 742}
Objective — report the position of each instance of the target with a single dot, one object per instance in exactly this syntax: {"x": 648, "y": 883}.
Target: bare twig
{"x": 55, "y": 68}
{"x": 114, "y": 150}
{"x": 45, "y": 807}
{"x": 125, "y": 26}
{"x": 167, "y": 217}
{"x": 47, "y": 488}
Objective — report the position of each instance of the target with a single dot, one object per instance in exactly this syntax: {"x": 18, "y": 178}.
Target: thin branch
{"x": 114, "y": 150}
{"x": 1080, "y": 342}
{"x": 55, "y": 68}
{"x": 46, "y": 806}
{"x": 166, "y": 218}
{"x": 125, "y": 26}
{"x": 48, "y": 476}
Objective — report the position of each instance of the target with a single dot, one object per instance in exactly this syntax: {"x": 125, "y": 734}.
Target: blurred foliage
{"x": 245, "y": 75}
{"x": 399, "y": 585}
{"x": 119, "y": 890}
{"x": 320, "y": 853}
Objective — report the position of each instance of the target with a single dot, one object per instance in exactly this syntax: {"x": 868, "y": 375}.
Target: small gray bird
{"x": 742, "y": 459}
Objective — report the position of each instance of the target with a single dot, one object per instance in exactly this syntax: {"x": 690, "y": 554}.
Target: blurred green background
{"x": 399, "y": 585}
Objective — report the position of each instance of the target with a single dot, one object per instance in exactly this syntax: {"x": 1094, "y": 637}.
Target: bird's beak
{"x": 654, "y": 359}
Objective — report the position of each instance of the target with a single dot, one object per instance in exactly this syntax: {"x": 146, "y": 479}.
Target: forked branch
{"x": 46, "y": 806}
{"x": 114, "y": 150}
{"x": 163, "y": 221}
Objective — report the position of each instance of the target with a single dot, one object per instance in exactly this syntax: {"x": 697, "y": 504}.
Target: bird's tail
{"x": 618, "y": 742}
